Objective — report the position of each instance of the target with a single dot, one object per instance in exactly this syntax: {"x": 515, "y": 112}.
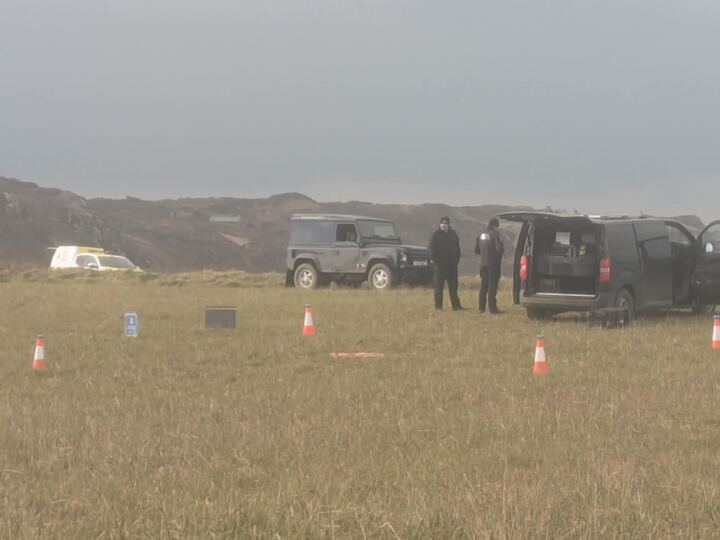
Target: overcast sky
{"x": 599, "y": 106}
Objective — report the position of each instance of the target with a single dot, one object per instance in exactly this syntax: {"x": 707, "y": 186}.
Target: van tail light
{"x": 523, "y": 268}
{"x": 605, "y": 270}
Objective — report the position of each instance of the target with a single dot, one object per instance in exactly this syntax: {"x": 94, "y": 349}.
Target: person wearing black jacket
{"x": 489, "y": 246}
{"x": 445, "y": 253}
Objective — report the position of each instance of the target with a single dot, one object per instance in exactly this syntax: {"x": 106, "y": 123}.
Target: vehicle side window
{"x": 710, "y": 240}
{"x": 346, "y": 232}
{"x": 312, "y": 232}
{"x": 621, "y": 241}
{"x": 653, "y": 240}
{"x": 677, "y": 236}
{"x": 83, "y": 260}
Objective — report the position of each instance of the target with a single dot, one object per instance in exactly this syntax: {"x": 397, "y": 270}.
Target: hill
{"x": 183, "y": 235}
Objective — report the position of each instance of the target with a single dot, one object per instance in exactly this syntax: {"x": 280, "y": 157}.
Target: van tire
{"x": 538, "y": 314}
{"x": 625, "y": 299}
{"x": 702, "y": 309}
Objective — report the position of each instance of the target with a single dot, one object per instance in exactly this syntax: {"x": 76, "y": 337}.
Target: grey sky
{"x": 600, "y": 106}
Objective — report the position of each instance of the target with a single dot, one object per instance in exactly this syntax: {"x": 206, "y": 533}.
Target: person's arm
{"x": 477, "y": 245}
{"x": 499, "y": 248}
{"x": 457, "y": 243}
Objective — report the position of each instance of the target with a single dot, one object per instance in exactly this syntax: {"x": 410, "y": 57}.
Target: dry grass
{"x": 257, "y": 433}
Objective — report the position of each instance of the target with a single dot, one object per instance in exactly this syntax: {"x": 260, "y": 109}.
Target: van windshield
{"x": 378, "y": 231}
{"x": 115, "y": 262}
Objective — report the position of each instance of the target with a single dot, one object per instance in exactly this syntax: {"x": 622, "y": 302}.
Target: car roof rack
{"x": 333, "y": 217}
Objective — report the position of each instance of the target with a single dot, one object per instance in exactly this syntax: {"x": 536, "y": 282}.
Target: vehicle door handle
{"x": 337, "y": 252}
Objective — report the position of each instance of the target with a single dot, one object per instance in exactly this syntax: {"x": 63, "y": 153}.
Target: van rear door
{"x": 530, "y": 220}
{"x": 519, "y": 252}
{"x": 706, "y": 278}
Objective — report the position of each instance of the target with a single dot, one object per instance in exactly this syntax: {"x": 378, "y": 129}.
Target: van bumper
{"x": 563, "y": 302}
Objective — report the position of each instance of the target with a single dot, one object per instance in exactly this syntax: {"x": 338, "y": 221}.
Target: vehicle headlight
{"x": 403, "y": 257}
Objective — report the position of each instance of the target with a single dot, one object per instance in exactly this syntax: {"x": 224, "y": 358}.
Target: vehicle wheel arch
{"x": 304, "y": 259}
{"x": 378, "y": 260}
{"x": 628, "y": 287}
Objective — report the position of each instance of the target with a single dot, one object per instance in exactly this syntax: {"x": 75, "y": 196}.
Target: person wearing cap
{"x": 445, "y": 252}
{"x": 489, "y": 246}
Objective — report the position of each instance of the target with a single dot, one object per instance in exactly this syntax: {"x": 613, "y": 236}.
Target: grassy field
{"x": 258, "y": 433}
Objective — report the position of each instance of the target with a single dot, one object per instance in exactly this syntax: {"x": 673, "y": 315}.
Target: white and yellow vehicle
{"x": 90, "y": 258}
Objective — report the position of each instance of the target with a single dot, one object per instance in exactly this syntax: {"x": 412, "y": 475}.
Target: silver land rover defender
{"x": 349, "y": 250}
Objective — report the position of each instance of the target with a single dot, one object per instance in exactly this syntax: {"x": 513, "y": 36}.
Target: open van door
{"x": 519, "y": 252}
{"x": 523, "y": 262}
{"x": 706, "y": 279}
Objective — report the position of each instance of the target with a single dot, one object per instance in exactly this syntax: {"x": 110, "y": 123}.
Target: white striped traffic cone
{"x": 540, "y": 367}
{"x": 39, "y": 358}
{"x": 309, "y": 325}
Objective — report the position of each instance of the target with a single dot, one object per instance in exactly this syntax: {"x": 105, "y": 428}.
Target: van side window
{"x": 621, "y": 241}
{"x": 676, "y": 235}
{"x": 653, "y": 239}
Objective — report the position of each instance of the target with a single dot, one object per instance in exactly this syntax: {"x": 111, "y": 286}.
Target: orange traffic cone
{"x": 309, "y": 326}
{"x": 39, "y": 358}
{"x": 541, "y": 366}
{"x": 716, "y": 332}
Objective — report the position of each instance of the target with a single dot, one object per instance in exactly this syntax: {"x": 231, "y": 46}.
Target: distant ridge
{"x": 178, "y": 235}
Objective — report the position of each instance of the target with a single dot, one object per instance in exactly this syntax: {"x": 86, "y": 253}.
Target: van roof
{"x": 579, "y": 218}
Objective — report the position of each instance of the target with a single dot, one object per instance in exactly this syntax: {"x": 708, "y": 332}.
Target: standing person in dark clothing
{"x": 445, "y": 253}
{"x": 489, "y": 246}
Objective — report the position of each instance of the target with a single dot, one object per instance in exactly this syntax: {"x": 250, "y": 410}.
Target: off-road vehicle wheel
{"x": 306, "y": 276}
{"x": 381, "y": 277}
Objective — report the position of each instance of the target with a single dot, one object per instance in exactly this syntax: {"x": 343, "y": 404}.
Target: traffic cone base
{"x": 716, "y": 332}
{"x": 540, "y": 366}
{"x": 309, "y": 324}
{"x": 39, "y": 358}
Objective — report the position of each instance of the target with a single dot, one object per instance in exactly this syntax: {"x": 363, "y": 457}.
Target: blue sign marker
{"x": 131, "y": 324}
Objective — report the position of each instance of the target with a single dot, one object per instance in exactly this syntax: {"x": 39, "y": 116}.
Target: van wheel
{"x": 626, "y": 300}
{"x": 306, "y": 277}
{"x": 538, "y": 314}
{"x": 702, "y": 309}
{"x": 380, "y": 277}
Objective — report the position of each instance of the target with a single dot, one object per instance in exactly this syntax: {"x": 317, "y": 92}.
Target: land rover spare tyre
{"x": 380, "y": 277}
{"x": 306, "y": 276}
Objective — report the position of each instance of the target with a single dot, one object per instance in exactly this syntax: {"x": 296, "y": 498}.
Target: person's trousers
{"x": 451, "y": 276}
{"x": 489, "y": 278}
